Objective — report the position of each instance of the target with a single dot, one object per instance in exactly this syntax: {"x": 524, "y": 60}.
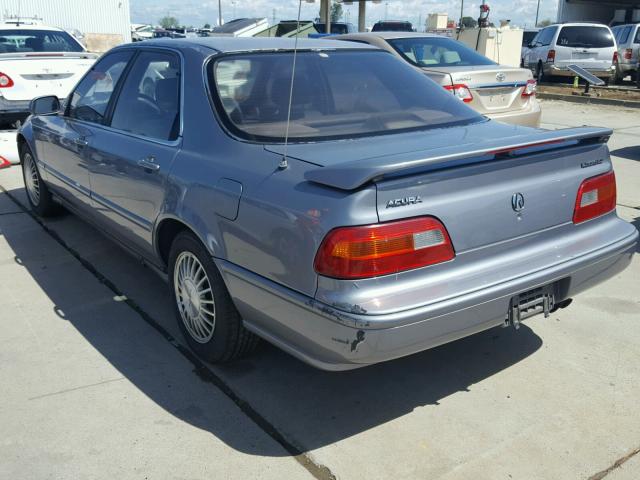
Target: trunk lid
{"x": 511, "y": 183}
{"x": 495, "y": 88}
{"x": 35, "y": 75}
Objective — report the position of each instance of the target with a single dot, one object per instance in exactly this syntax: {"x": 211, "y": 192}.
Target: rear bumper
{"x": 333, "y": 339}
{"x": 14, "y": 106}
{"x": 552, "y": 69}
{"x": 529, "y": 117}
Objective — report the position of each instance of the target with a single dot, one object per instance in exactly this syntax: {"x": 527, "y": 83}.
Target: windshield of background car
{"x": 18, "y": 41}
{"x": 336, "y": 94}
{"x": 392, "y": 27}
{"x": 437, "y": 52}
{"x": 585, "y": 37}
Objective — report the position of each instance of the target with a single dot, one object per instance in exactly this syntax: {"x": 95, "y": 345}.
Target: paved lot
{"x": 96, "y": 382}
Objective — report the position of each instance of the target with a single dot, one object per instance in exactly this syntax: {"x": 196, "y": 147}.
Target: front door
{"x": 63, "y": 140}
{"x": 130, "y": 159}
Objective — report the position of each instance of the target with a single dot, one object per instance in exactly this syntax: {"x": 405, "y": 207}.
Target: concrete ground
{"x": 96, "y": 382}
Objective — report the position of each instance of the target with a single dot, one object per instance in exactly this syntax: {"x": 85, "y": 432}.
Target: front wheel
{"x": 38, "y": 193}
{"x": 203, "y": 307}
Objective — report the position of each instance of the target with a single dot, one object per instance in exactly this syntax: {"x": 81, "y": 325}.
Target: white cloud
{"x": 197, "y": 13}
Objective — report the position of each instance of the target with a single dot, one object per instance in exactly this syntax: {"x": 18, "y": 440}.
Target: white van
{"x": 588, "y": 45}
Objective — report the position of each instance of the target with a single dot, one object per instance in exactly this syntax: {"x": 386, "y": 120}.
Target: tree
{"x": 207, "y": 26}
{"x": 469, "y": 22}
{"x": 544, "y": 23}
{"x": 336, "y": 12}
{"x": 169, "y": 22}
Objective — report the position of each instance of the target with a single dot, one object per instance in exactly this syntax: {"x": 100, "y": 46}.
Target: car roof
{"x": 28, "y": 26}
{"x": 579, "y": 24}
{"x": 253, "y": 44}
{"x": 388, "y": 35}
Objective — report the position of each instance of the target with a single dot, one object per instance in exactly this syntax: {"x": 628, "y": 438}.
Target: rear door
{"x": 588, "y": 46}
{"x": 130, "y": 160}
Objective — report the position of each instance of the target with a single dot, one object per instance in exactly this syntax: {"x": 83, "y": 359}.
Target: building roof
{"x": 237, "y": 24}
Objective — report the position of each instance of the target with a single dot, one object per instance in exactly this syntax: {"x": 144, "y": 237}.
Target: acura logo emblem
{"x": 517, "y": 202}
{"x": 501, "y": 77}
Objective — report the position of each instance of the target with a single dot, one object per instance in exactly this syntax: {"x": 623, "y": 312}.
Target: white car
{"x": 587, "y": 45}
{"x": 36, "y": 60}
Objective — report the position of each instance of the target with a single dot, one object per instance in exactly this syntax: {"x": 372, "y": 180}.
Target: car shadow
{"x": 630, "y": 153}
{"x": 309, "y": 407}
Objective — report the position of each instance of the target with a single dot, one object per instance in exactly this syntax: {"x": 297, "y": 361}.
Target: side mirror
{"x": 531, "y": 45}
{"x": 45, "y": 105}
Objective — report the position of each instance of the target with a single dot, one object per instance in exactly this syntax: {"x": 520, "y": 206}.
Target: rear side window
{"x": 585, "y": 37}
{"x": 336, "y": 94}
{"x": 437, "y": 52}
{"x": 149, "y": 103}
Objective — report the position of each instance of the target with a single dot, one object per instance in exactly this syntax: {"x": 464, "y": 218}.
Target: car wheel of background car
{"x": 540, "y": 73}
{"x": 205, "y": 312}
{"x": 38, "y": 193}
{"x": 617, "y": 76}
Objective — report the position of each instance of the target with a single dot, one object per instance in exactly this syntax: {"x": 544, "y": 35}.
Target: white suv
{"x": 628, "y": 41}
{"x": 588, "y": 45}
{"x": 36, "y": 60}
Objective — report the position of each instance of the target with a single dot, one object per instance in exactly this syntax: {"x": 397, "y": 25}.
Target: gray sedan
{"x": 372, "y": 216}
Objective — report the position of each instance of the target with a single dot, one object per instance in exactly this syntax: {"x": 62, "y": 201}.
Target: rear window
{"x": 12, "y": 41}
{"x": 336, "y": 94}
{"x": 586, "y": 37}
{"x": 437, "y": 52}
{"x": 392, "y": 27}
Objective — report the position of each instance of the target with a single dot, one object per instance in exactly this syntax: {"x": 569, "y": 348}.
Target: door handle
{"x": 149, "y": 164}
{"x": 81, "y": 142}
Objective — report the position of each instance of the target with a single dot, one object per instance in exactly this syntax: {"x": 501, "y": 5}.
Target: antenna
{"x": 283, "y": 163}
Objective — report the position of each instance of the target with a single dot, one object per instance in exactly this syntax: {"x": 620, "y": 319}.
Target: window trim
{"x": 237, "y": 134}
{"x": 136, "y": 50}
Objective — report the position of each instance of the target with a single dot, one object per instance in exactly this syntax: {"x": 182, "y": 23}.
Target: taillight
{"x": 4, "y": 163}
{"x": 461, "y": 91}
{"x": 551, "y": 56}
{"x": 628, "y": 54}
{"x": 615, "y": 57}
{"x": 530, "y": 88}
{"x": 383, "y": 248}
{"x": 596, "y": 196}
{"x": 5, "y": 81}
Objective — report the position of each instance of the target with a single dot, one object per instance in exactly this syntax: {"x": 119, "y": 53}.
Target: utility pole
{"x": 386, "y": 10}
{"x": 274, "y": 16}
{"x": 537, "y": 12}
{"x": 219, "y": 13}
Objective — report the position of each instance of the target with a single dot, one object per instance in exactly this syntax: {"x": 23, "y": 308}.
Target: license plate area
{"x": 533, "y": 302}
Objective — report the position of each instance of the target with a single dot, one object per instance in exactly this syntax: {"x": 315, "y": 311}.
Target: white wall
{"x": 87, "y": 16}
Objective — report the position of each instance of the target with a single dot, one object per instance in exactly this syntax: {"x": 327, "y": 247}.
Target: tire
{"x": 617, "y": 77}
{"x": 38, "y": 194}
{"x": 540, "y": 74}
{"x": 206, "y": 315}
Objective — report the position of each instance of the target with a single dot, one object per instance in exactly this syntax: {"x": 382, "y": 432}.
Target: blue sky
{"x": 197, "y": 13}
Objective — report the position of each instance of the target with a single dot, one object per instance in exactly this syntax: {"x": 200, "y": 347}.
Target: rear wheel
{"x": 203, "y": 307}
{"x": 38, "y": 193}
{"x": 540, "y": 73}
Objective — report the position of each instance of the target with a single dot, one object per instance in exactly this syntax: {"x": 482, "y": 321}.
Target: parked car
{"x": 528, "y": 35}
{"x": 628, "y": 42}
{"x": 393, "y": 220}
{"x": 140, "y": 32}
{"x": 392, "y": 26}
{"x": 503, "y": 93}
{"x": 337, "y": 28}
{"x": 37, "y": 60}
{"x": 587, "y": 45}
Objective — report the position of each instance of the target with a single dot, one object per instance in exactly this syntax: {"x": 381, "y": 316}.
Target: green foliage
{"x": 336, "y": 12}
{"x": 544, "y": 23}
{"x": 169, "y": 22}
{"x": 469, "y": 22}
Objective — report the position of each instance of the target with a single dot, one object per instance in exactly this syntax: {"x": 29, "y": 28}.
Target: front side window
{"x": 544, "y": 37}
{"x": 91, "y": 97}
{"x": 149, "y": 103}
{"x": 437, "y": 52}
{"x": 585, "y": 37}
{"x": 18, "y": 41}
{"x": 336, "y": 94}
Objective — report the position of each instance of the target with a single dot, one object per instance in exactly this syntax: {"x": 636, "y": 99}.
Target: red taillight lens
{"x": 551, "y": 56}
{"x": 615, "y": 57}
{"x": 530, "y": 88}
{"x": 4, "y": 163}
{"x": 383, "y": 248}
{"x": 5, "y": 81}
{"x": 596, "y": 196}
{"x": 461, "y": 91}
{"x": 628, "y": 54}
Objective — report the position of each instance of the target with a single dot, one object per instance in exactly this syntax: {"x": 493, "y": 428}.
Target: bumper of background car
{"x": 555, "y": 70}
{"x": 334, "y": 339}
{"x": 529, "y": 117}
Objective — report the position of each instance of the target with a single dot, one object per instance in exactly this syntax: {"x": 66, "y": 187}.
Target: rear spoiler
{"x": 353, "y": 174}
{"x": 24, "y": 55}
